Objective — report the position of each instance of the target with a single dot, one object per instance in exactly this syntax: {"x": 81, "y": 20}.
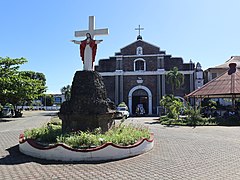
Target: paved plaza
{"x": 178, "y": 153}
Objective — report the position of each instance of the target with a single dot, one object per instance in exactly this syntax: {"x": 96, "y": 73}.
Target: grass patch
{"x": 123, "y": 135}
{"x": 45, "y": 134}
{"x": 200, "y": 121}
{"x": 188, "y": 121}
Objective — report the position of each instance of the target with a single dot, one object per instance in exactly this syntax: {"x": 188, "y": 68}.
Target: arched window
{"x": 139, "y": 51}
{"x": 139, "y": 65}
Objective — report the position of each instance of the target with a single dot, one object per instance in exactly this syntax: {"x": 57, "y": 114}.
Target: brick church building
{"x": 137, "y": 75}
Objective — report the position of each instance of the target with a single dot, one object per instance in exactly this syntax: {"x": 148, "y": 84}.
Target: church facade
{"x": 137, "y": 75}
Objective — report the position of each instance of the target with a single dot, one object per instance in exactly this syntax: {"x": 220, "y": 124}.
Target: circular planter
{"x": 105, "y": 152}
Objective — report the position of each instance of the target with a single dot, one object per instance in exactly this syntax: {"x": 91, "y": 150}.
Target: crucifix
{"x": 139, "y": 29}
{"x": 88, "y": 47}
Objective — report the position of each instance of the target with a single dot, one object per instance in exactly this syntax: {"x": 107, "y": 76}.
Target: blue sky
{"x": 206, "y": 31}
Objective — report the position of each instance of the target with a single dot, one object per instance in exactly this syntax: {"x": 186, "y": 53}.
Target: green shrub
{"x": 126, "y": 134}
{"x": 228, "y": 121}
{"x": 45, "y": 134}
{"x": 79, "y": 139}
{"x": 172, "y": 105}
{"x": 193, "y": 118}
{"x": 121, "y": 135}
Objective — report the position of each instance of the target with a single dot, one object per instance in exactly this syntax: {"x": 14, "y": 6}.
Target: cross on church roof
{"x": 91, "y": 29}
{"x": 139, "y": 31}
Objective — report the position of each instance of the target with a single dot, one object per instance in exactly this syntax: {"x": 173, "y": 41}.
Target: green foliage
{"x": 66, "y": 90}
{"x": 122, "y": 135}
{"x": 209, "y": 104}
{"x": 18, "y": 87}
{"x": 126, "y": 134}
{"x": 47, "y": 99}
{"x": 122, "y": 104}
{"x": 233, "y": 120}
{"x": 172, "y": 105}
{"x": 188, "y": 122}
{"x": 164, "y": 120}
{"x": 194, "y": 117}
{"x": 9, "y": 66}
{"x": 79, "y": 139}
{"x": 45, "y": 134}
{"x": 175, "y": 78}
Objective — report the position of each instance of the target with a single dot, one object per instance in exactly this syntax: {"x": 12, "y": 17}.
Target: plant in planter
{"x": 119, "y": 142}
{"x": 123, "y": 135}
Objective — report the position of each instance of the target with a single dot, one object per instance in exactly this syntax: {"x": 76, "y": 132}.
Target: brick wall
{"x": 147, "y": 48}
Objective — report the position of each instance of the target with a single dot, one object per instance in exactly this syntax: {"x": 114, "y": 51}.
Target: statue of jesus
{"x": 88, "y": 49}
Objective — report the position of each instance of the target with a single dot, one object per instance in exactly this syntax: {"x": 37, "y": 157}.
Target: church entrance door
{"x": 140, "y": 101}
{"x": 140, "y": 105}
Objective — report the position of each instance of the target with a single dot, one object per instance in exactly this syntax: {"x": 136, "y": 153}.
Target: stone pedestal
{"x": 88, "y": 107}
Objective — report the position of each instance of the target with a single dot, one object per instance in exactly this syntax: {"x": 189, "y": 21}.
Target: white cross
{"x": 91, "y": 29}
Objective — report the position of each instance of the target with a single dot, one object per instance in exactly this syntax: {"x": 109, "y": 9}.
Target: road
{"x": 179, "y": 153}
{"x": 30, "y": 119}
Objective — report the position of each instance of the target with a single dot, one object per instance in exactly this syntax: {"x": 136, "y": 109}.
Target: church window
{"x": 139, "y": 51}
{"x": 139, "y": 65}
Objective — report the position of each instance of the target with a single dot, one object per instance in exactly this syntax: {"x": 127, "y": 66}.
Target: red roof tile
{"x": 223, "y": 86}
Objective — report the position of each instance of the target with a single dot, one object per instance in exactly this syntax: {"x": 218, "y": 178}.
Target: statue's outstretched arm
{"x": 75, "y": 41}
{"x": 98, "y": 41}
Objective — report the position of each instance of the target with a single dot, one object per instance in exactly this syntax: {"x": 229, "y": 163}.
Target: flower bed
{"x": 63, "y": 152}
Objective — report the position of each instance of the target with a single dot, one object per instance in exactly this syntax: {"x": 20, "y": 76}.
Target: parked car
{"x": 7, "y": 112}
{"x": 122, "y": 112}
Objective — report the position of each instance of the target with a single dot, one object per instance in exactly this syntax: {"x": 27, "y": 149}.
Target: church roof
{"x": 233, "y": 59}
{"x": 223, "y": 86}
{"x": 141, "y": 41}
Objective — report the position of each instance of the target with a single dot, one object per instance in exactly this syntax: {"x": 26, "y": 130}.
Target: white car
{"x": 7, "y": 112}
{"x": 122, "y": 112}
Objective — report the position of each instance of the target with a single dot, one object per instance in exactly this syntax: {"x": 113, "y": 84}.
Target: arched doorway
{"x": 140, "y": 95}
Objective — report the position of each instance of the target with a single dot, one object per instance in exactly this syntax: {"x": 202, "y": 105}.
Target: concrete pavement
{"x": 179, "y": 153}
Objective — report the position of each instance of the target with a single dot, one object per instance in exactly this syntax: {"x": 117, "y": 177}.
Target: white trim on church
{"x": 144, "y": 64}
{"x": 140, "y": 73}
{"x": 149, "y": 98}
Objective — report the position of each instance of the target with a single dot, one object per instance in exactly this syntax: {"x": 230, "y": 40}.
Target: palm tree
{"x": 175, "y": 78}
{"x": 66, "y": 90}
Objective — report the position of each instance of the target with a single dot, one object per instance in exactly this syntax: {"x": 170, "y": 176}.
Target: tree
{"x": 66, "y": 90}
{"x": 47, "y": 99}
{"x": 18, "y": 87}
{"x": 175, "y": 78}
{"x": 172, "y": 105}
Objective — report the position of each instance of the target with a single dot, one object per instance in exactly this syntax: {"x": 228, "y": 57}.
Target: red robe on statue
{"x": 93, "y": 45}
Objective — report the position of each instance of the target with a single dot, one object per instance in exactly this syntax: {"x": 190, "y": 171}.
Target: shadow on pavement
{"x": 16, "y": 157}
{"x": 51, "y": 113}
{"x": 154, "y": 122}
{"x": 5, "y": 120}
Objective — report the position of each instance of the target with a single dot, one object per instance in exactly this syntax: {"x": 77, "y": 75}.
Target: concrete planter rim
{"x": 32, "y": 148}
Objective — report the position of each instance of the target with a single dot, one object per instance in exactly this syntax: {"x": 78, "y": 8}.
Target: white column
{"x": 121, "y": 88}
{"x": 119, "y": 63}
{"x": 116, "y": 90}
{"x": 130, "y": 104}
{"x": 150, "y": 105}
